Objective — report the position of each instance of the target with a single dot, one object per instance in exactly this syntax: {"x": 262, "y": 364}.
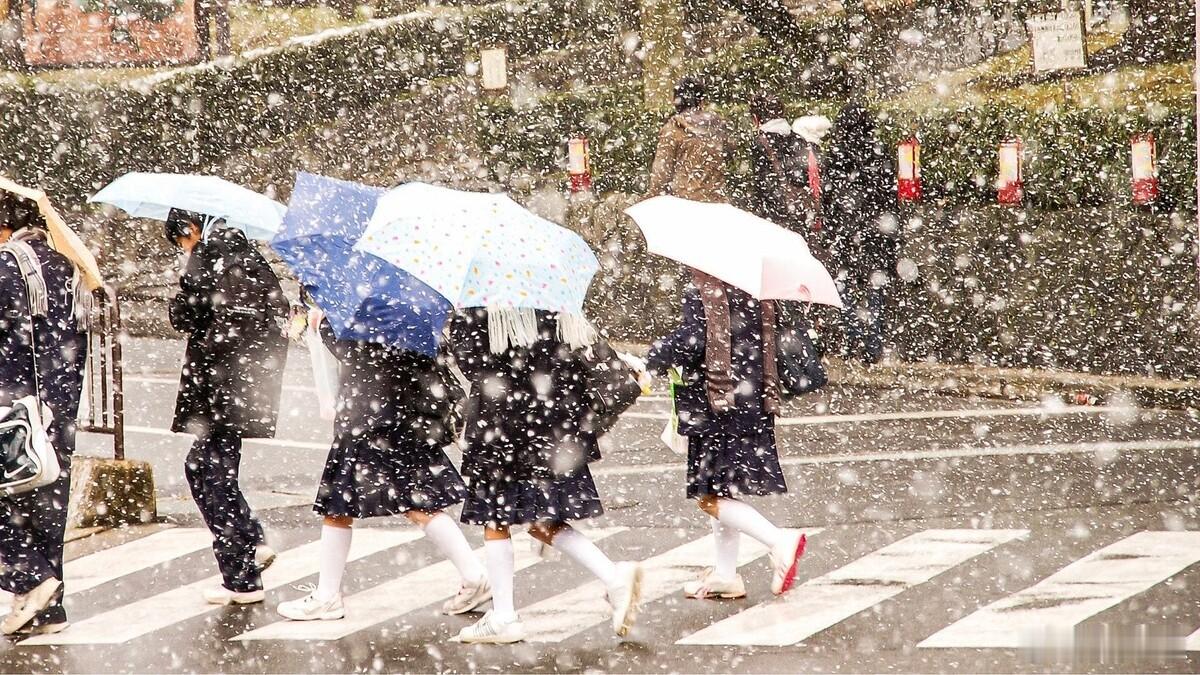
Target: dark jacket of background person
{"x": 231, "y": 307}
{"x": 392, "y": 399}
{"x": 685, "y": 348}
{"x": 780, "y": 192}
{"x": 690, "y": 161}
{"x": 860, "y": 185}
{"x": 526, "y": 414}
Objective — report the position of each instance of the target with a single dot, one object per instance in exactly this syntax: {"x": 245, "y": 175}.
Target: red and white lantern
{"x": 908, "y": 171}
{"x": 1145, "y": 169}
{"x": 1010, "y": 186}
{"x": 579, "y": 165}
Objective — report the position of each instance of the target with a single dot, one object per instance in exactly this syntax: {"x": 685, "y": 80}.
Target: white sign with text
{"x": 1057, "y": 42}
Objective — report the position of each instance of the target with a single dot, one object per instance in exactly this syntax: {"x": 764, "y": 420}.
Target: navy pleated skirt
{"x": 363, "y": 480}
{"x": 728, "y": 465}
{"x": 496, "y": 503}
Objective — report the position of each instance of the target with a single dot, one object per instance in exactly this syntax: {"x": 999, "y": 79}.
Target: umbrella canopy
{"x": 62, "y": 237}
{"x": 737, "y": 247}
{"x": 481, "y": 250}
{"x": 364, "y": 297}
{"x": 153, "y": 195}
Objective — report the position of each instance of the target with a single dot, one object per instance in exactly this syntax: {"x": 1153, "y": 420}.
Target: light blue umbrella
{"x": 153, "y": 195}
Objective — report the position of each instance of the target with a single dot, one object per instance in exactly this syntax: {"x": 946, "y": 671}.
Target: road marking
{"x": 187, "y": 602}
{"x": 566, "y": 614}
{"x": 1047, "y": 612}
{"x": 1107, "y": 447}
{"x": 1192, "y": 644}
{"x": 106, "y": 565}
{"x": 817, "y": 420}
{"x": 273, "y": 442}
{"x": 832, "y": 598}
{"x": 393, "y": 599}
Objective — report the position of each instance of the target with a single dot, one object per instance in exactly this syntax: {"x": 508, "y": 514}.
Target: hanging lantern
{"x": 908, "y": 171}
{"x": 1010, "y": 182}
{"x": 579, "y": 165}
{"x": 1145, "y": 169}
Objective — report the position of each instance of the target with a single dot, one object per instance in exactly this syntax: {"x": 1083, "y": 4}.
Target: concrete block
{"x": 109, "y": 492}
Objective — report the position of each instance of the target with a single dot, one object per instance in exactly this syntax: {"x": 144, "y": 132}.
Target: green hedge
{"x": 72, "y": 140}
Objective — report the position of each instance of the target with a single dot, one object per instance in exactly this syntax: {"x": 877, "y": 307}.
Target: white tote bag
{"x": 324, "y": 367}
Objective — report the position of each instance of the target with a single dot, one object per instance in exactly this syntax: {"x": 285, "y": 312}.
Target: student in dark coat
{"x": 727, "y": 410}
{"x": 860, "y": 209}
{"x": 526, "y": 454}
{"x": 232, "y": 308}
{"x": 32, "y": 524}
{"x": 394, "y": 417}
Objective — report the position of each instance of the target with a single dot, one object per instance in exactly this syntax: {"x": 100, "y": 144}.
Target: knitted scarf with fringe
{"x": 718, "y": 347}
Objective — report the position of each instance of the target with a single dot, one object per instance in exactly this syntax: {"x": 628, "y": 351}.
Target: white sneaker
{"x": 709, "y": 586}
{"x": 785, "y": 559}
{"x": 223, "y": 596}
{"x": 311, "y": 608}
{"x": 491, "y": 630}
{"x": 263, "y": 557}
{"x": 625, "y": 597}
{"x": 26, "y": 607}
{"x": 469, "y": 597}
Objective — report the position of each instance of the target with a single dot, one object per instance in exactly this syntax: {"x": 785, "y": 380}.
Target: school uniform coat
{"x": 730, "y": 452}
{"x": 394, "y": 417}
{"x": 232, "y": 308}
{"x": 526, "y": 444}
{"x": 32, "y": 524}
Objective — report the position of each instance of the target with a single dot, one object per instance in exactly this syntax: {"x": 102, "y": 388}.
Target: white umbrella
{"x": 737, "y": 247}
{"x": 153, "y": 195}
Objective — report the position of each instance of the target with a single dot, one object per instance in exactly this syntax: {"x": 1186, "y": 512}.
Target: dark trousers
{"x": 862, "y": 315}
{"x": 212, "y": 474}
{"x": 31, "y": 537}
{"x": 215, "y": 12}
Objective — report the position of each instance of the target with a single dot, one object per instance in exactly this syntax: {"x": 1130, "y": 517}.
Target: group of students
{"x": 526, "y": 436}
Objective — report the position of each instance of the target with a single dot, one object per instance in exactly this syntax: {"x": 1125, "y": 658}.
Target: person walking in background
{"x": 725, "y": 348}
{"x": 394, "y": 417}
{"x": 43, "y": 314}
{"x": 212, "y": 14}
{"x": 233, "y": 310}
{"x": 693, "y": 149}
{"x": 860, "y": 209}
{"x": 525, "y": 456}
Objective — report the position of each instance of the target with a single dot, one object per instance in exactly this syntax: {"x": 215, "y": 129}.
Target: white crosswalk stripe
{"x": 1047, "y": 612}
{"x": 113, "y": 563}
{"x": 834, "y": 597}
{"x": 566, "y": 614}
{"x": 1192, "y": 644}
{"x": 186, "y": 602}
{"x": 393, "y": 599}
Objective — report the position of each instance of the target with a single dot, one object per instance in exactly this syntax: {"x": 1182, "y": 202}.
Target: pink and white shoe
{"x": 785, "y": 559}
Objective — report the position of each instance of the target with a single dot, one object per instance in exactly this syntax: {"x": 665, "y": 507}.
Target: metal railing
{"x": 104, "y": 383}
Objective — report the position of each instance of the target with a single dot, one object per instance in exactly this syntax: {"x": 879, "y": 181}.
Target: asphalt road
{"x": 947, "y": 535}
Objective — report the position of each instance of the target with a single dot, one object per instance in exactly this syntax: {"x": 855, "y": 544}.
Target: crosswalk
{"x": 1050, "y": 605}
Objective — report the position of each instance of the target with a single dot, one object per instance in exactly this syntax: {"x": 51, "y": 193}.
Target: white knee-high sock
{"x": 727, "y": 540}
{"x": 500, "y": 573}
{"x": 335, "y": 548}
{"x": 744, "y": 518}
{"x": 581, "y": 549}
{"x": 448, "y": 537}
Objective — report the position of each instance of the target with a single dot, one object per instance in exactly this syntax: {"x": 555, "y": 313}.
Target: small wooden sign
{"x": 1057, "y": 41}
{"x": 493, "y": 64}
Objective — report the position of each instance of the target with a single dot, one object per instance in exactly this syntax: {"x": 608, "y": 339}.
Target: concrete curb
{"x": 1007, "y": 383}
{"x": 109, "y": 492}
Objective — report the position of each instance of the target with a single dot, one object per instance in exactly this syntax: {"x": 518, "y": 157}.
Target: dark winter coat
{"x": 232, "y": 309}
{"x": 61, "y": 347}
{"x": 685, "y": 348}
{"x": 526, "y": 415}
{"x": 780, "y": 192}
{"x": 392, "y": 398}
{"x": 860, "y": 196}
